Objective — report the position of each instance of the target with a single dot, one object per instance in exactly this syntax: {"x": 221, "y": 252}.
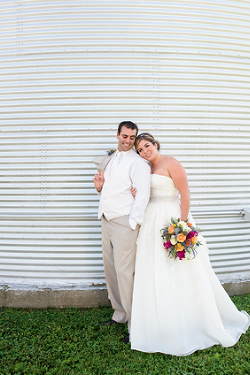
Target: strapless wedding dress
{"x": 179, "y": 306}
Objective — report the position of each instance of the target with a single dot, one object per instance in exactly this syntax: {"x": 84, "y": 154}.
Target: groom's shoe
{"x": 108, "y": 323}
{"x": 126, "y": 339}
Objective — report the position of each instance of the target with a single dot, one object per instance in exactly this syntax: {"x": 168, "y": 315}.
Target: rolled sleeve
{"x": 133, "y": 224}
{"x": 140, "y": 176}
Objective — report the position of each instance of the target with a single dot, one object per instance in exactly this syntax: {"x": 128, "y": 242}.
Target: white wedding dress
{"x": 179, "y": 306}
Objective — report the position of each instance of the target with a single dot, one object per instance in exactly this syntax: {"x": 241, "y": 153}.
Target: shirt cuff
{"x": 132, "y": 223}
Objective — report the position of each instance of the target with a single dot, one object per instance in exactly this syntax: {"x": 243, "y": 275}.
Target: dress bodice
{"x": 162, "y": 187}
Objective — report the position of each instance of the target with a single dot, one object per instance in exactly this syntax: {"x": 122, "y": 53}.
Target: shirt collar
{"x": 124, "y": 153}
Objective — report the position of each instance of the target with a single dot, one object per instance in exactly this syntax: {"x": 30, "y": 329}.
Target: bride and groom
{"x": 171, "y": 306}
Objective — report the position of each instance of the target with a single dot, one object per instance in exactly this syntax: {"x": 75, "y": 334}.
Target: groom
{"x": 121, "y": 216}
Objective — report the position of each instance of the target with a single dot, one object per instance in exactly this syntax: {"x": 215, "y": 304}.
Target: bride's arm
{"x": 179, "y": 177}
{"x": 133, "y": 192}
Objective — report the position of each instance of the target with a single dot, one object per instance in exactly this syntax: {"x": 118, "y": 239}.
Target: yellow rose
{"x": 180, "y": 247}
{"x": 194, "y": 240}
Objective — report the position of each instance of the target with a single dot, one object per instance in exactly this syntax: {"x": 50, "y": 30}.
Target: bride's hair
{"x": 147, "y": 137}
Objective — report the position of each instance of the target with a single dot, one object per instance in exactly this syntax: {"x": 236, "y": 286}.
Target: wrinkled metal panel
{"x": 70, "y": 72}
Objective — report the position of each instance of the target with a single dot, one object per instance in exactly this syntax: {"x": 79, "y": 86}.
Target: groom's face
{"x": 126, "y": 139}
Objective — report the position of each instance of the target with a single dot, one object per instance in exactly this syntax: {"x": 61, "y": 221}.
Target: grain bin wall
{"x": 70, "y": 72}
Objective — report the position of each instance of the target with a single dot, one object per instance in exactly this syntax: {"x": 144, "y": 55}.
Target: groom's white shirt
{"x": 120, "y": 176}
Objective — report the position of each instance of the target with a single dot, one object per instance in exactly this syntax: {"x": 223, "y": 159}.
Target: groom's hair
{"x": 129, "y": 125}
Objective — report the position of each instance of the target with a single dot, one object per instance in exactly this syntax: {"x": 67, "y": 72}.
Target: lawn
{"x": 70, "y": 341}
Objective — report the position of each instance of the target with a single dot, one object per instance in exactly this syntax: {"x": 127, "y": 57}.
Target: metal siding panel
{"x": 70, "y": 72}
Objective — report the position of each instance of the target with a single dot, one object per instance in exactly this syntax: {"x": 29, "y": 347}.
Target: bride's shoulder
{"x": 174, "y": 167}
{"x": 171, "y": 163}
{"x": 169, "y": 159}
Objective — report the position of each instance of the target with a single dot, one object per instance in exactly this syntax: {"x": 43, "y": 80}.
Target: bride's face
{"x": 147, "y": 150}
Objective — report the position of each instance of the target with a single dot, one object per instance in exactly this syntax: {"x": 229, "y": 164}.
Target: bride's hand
{"x": 133, "y": 192}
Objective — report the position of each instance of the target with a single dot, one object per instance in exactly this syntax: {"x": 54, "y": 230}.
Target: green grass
{"x": 70, "y": 341}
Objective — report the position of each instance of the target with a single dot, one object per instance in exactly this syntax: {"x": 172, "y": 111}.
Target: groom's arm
{"x": 140, "y": 177}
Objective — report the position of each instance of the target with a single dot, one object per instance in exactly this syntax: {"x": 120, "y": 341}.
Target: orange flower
{"x": 171, "y": 230}
{"x": 188, "y": 241}
{"x": 189, "y": 224}
{"x": 181, "y": 237}
{"x": 194, "y": 240}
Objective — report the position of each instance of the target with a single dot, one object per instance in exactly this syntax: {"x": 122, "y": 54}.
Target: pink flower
{"x": 192, "y": 234}
{"x": 181, "y": 254}
{"x": 167, "y": 245}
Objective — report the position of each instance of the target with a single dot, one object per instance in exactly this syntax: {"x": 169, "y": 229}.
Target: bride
{"x": 179, "y": 306}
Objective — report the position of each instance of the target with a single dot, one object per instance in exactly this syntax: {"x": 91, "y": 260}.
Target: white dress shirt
{"x": 124, "y": 171}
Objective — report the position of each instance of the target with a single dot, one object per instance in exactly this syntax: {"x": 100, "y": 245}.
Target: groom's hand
{"x": 98, "y": 181}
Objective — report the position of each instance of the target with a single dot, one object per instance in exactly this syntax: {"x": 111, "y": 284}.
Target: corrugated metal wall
{"x": 70, "y": 72}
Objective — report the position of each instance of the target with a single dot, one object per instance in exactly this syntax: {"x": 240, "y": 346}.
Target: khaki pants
{"x": 119, "y": 250}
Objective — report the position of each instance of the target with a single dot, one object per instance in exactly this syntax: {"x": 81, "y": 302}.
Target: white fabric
{"x": 116, "y": 198}
{"x": 179, "y": 306}
{"x": 116, "y": 160}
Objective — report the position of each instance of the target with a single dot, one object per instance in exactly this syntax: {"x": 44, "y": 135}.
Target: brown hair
{"x": 128, "y": 124}
{"x": 147, "y": 137}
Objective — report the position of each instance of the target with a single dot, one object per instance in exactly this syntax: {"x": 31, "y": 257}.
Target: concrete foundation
{"x": 237, "y": 289}
{"x": 41, "y": 298}
{"x": 25, "y": 296}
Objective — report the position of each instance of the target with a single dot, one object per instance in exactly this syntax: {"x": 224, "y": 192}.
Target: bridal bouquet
{"x": 180, "y": 239}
